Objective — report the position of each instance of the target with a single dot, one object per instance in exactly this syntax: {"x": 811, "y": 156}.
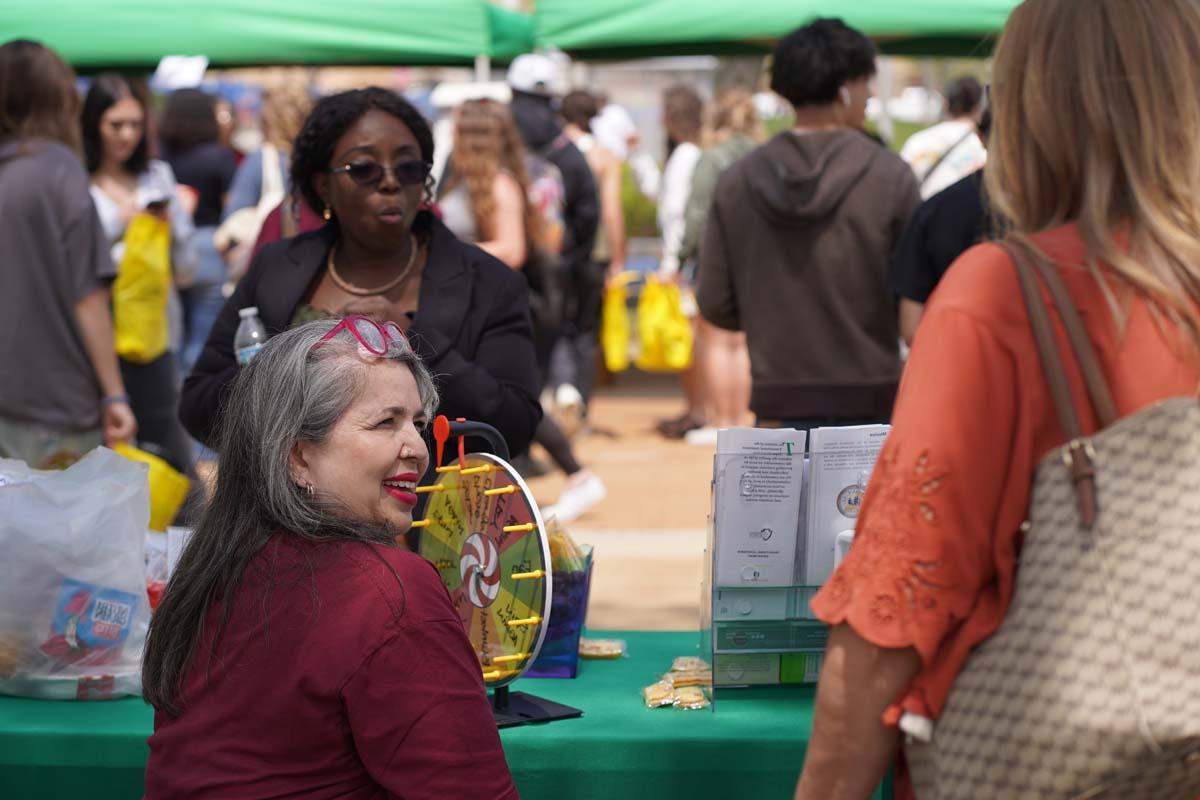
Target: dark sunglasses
{"x": 370, "y": 173}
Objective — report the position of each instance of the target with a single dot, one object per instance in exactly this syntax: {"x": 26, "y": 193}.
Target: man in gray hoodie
{"x": 797, "y": 244}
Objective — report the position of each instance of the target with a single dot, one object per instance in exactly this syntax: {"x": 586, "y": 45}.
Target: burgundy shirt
{"x": 344, "y": 672}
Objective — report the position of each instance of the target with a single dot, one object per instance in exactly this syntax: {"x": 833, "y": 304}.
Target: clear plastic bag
{"x": 73, "y": 606}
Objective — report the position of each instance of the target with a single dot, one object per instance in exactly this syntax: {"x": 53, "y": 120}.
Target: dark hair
{"x": 289, "y": 393}
{"x": 578, "y": 107}
{"x": 331, "y": 118}
{"x": 106, "y": 90}
{"x": 37, "y": 94}
{"x": 963, "y": 96}
{"x": 189, "y": 119}
{"x": 683, "y": 111}
{"x": 812, "y": 63}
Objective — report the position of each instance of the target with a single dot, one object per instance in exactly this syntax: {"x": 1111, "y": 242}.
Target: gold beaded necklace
{"x": 350, "y": 288}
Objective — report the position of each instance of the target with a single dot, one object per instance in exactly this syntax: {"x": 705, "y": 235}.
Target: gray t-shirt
{"x": 53, "y": 253}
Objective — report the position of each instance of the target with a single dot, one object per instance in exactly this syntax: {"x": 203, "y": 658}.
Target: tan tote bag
{"x": 1091, "y": 686}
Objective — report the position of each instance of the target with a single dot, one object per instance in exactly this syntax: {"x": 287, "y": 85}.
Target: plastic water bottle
{"x": 250, "y": 336}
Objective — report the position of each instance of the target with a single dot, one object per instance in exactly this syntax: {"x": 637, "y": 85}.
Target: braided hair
{"x": 331, "y": 117}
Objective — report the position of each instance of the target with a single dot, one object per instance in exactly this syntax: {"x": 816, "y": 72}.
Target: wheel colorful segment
{"x": 485, "y": 536}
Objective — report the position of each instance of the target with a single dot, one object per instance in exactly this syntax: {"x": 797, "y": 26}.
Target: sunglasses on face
{"x": 370, "y": 173}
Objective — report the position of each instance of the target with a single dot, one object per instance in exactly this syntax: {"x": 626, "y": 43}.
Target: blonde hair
{"x": 732, "y": 113}
{"x": 1096, "y": 112}
{"x": 486, "y": 141}
{"x": 284, "y": 109}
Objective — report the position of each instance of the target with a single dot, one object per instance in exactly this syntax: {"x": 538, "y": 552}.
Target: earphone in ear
{"x": 845, "y": 95}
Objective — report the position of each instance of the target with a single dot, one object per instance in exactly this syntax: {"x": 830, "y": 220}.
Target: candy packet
{"x": 689, "y": 664}
{"x": 691, "y": 677}
{"x": 659, "y": 694}
{"x": 602, "y": 648}
{"x": 690, "y": 698}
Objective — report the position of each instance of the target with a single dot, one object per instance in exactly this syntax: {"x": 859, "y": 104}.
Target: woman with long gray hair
{"x": 299, "y": 650}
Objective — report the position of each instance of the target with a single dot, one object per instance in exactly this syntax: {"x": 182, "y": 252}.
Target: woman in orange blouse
{"x": 1096, "y": 163}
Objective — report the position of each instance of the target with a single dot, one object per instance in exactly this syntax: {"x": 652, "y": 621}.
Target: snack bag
{"x": 689, "y": 664}
{"x": 602, "y": 648}
{"x": 90, "y": 624}
{"x": 659, "y": 694}
{"x": 694, "y": 677}
{"x": 690, "y": 698}
{"x": 73, "y": 606}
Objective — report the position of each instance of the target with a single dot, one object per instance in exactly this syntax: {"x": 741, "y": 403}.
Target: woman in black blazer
{"x": 363, "y": 159}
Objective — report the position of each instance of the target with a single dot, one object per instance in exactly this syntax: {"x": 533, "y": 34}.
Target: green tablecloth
{"x": 752, "y": 746}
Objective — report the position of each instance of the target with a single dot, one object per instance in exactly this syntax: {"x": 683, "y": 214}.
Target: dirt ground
{"x": 649, "y": 533}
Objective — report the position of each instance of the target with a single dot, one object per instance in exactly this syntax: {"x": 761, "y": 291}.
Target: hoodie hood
{"x": 798, "y": 176}
{"x": 535, "y": 119}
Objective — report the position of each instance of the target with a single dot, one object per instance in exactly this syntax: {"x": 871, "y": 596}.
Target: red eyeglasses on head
{"x": 369, "y": 333}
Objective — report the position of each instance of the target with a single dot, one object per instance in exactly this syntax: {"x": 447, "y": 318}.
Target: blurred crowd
{"x": 1034, "y": 248}
{"x": 533, "y": 178}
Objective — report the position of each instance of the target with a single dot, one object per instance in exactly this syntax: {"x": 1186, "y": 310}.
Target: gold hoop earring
{"x": 327, "y": 213}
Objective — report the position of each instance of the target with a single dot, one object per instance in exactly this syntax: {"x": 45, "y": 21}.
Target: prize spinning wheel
{"x": 483, "y": 532}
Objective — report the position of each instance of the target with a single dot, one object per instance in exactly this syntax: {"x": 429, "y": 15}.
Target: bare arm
{"x": 508, "y": 239}
{"x": 851, "y": 748}
{"x": 612, "y": 213}
{"x": 910, "y": 317}
{"x": 95, "y": 325}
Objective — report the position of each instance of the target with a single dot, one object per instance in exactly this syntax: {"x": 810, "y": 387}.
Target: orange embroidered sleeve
{"x": 923, "y": 549}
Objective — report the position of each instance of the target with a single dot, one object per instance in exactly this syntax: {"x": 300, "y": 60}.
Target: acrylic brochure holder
{"x": 780, "y": 521}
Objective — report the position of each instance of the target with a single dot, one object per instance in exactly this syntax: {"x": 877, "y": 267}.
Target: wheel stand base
{"x": 519, "y": 708}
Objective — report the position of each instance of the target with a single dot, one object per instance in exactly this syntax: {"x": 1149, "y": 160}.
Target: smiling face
{"x": 372, "y": 459}
{"x": 122, "y": 127}
{"x": 377, "y": 216}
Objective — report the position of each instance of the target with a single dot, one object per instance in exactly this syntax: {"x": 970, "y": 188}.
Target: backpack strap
{"x": 1079, "y": 453}
{"x": 946, "y": 154}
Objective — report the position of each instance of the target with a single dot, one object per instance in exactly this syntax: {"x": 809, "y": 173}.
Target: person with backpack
{"x": 534, "y": 79}
{"x": 490, "y": 199}
{"x": 1019, "y": 602}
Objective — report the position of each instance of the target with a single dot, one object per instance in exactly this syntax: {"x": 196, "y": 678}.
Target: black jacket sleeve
{"x": 205, "y": 389}
{"x": 499, "y": 386}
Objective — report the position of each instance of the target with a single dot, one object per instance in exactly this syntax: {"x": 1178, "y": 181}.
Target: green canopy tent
{"x": 512, "y": 32}
{"x": 98, "y": 34}
{"x": 614, "y": 29}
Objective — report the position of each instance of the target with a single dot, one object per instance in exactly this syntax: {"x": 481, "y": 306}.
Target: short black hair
{"x": 963, "y": 96}
{"x": 329, "y": 120}
{"x": 811, "y": 63}
{"x": 106, "y": 90}
{"x": 189, "y": 119}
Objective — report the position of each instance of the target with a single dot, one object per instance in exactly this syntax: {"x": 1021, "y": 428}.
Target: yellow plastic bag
{"x": 664, "y": 331}
{"x": 614, "y": 325}
{"x": 168, "y": 487}
{"x": 139, "y": 294}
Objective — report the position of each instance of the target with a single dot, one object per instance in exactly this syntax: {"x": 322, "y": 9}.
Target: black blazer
{"x": 471, "y": 329}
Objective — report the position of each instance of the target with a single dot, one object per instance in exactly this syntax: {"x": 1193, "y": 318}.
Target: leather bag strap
{"x": 1043, "y": 334}
{"x": 1085, "y": 352}
{"x": 1079, "y": 453}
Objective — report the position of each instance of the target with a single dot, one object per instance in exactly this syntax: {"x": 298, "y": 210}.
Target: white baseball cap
{"x": 535, "y": 73}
